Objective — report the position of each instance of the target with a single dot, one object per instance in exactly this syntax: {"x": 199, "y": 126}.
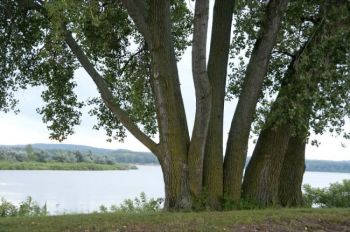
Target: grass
{"x": 245, "y": 220}
{"x": 5, "y": 165}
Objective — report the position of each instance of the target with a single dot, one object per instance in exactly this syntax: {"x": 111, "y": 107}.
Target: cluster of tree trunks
{"x": 193, "y": 166}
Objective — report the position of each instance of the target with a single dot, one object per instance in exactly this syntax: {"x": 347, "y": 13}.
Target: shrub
{"x": 26, "y": 208}
{"x": 138, "y": 205}
{"x": 7, "y": 209}
{"x": 31, "y": 208}
{"x": 336, "y": 195}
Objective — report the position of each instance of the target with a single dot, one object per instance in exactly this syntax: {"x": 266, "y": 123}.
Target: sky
{"x": 28, "y": 128}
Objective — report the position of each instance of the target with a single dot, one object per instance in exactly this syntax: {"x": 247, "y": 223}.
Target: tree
{"x": 274, "y": 174}
{"x": 97, "y": 35}
{"x": 130, "y": 48}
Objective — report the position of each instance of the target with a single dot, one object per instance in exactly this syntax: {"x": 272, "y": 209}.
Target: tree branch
{"x": 107, "y": 96}
{"x": 130, "y": 59}
{"x": 101, "y": 84}
{"x": 138, "y": 11}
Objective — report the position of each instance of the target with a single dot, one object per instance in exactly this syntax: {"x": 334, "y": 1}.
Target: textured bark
{"x": 203, "y": 98}
{"x": 261, "y": 178}
{"x": 237, "y": 143}
{"x": 292, "y": 172}
{"x": 217, "y": 72}
{"x": 173, "y": 131}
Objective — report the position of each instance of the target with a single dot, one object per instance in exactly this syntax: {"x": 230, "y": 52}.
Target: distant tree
{"x": 42, "y": 157}
{"x": 78, "y": 156}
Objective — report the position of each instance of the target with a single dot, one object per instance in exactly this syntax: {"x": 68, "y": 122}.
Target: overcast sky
{"x": 28, "y": 128}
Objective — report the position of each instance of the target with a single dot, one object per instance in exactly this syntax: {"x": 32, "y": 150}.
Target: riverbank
{"x": 5, "y": 165}
{"x": 245, "y": 220}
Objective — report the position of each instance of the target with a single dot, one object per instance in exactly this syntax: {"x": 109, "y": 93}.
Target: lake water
{"x": 85, "y": 191}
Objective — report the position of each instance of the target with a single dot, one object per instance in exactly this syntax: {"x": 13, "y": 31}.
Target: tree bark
{"x": 292, "y": 172}
{"x": 261, "y": 177}
{"x": 203, "y": 98}
{"x": 237, "y": 143}
{"x": 217, "y": 72}
{"x": 173, "y": 130}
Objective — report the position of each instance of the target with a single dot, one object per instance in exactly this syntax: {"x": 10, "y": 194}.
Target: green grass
{"x": 245, "y": 220}
{"x": 5, "y": 165}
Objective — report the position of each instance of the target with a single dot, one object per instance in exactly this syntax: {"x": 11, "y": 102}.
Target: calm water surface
{"x": 85, "y": 191}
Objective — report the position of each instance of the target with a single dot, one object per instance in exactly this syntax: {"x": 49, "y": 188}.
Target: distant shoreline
{"x": 72, "y": 153}
{"x": 6, "y": 165}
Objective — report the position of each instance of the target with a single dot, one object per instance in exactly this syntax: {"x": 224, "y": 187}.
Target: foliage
{"x": 62, "y": 155}
{"x": 63, "y": 166}
{"x": 322, "y": 69}
{"x": 138, "y": 205}
{"x": 336, "y": 195}
{"x": 32, "y": 38}
{"x": 25, "y": 208}
{"x": 7, "y": 209}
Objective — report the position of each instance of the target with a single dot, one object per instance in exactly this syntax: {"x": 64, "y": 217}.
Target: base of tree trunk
{"x": 261, "y": 178}
{"x": 291, "y": 178}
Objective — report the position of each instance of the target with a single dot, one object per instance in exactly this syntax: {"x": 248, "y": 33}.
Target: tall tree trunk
{"x": 237, "y": 143}
{"x": 203, "y": 98}
{"x": 173, "y": 131}
{"x": 292, "y": 172}
{"x": 217, "y": 72}
{"x": 261, "y": 177}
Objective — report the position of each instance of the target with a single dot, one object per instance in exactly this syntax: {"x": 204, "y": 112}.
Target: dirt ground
{"x": 305, "y": 224}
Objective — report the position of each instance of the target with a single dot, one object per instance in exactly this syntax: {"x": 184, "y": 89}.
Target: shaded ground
{"x": 245, "y": 220}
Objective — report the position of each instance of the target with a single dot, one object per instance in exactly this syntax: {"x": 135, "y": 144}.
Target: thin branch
{"x": 130, "y": 58}
{"x": 107, "y": 96}
{"x": 302, "y": 49}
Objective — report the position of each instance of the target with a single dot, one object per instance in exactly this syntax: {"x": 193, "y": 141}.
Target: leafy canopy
{"x": 317, "y": 29}
{"x": 36, "y": 54}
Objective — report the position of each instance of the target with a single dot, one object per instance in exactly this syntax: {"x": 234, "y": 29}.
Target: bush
{"x": 336, "y": 195}
{"x": 26, "y": 208}
{"x": 138, "y": 205}
{"x": 7, "y": 209}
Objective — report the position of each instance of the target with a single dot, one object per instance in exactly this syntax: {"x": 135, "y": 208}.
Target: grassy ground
{"x": 62, "y": 166}
{"x": 245, "y": 220}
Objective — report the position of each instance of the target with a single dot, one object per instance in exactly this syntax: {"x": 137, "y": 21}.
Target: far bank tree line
{"x": 287, "y": 63}
{"x": 30, "y": 154}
